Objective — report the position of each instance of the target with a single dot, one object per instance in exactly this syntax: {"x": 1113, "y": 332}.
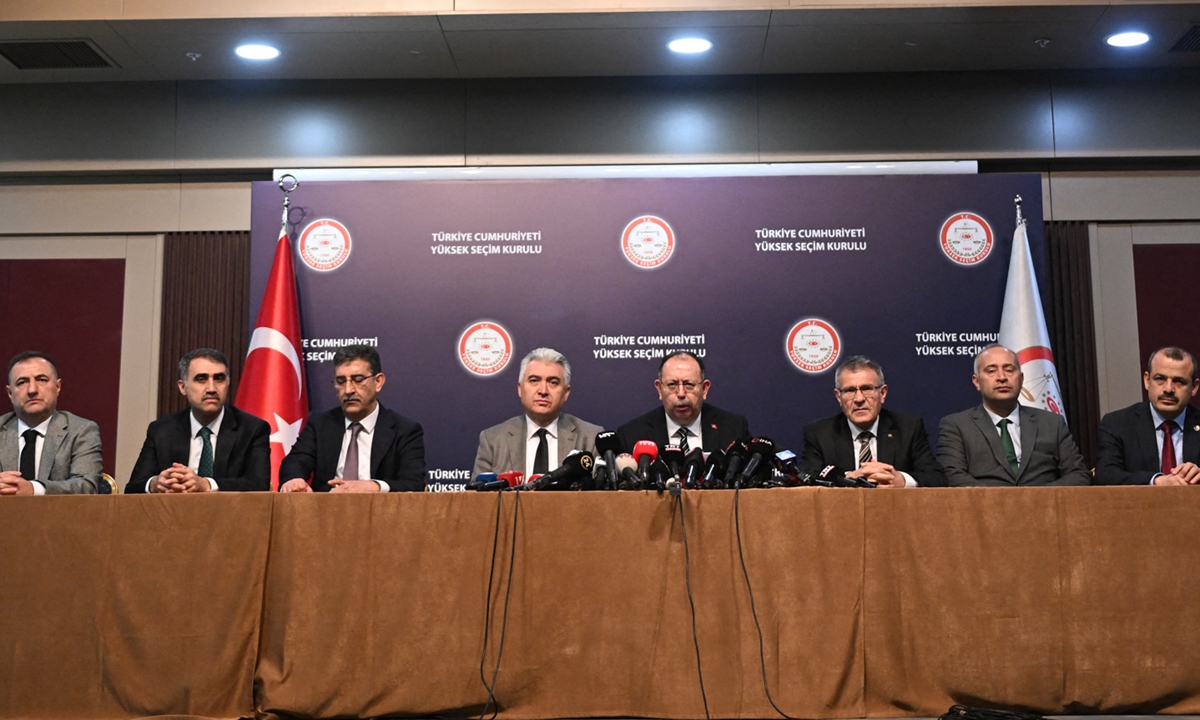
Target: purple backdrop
{"x": 545, "y": 261}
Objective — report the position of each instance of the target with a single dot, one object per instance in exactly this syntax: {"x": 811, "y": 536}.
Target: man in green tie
{"x": 1003, "y": 443}
{"x": 208, "y": 446}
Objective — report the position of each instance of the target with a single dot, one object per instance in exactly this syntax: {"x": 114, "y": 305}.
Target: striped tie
{"x": 864, "y": 447}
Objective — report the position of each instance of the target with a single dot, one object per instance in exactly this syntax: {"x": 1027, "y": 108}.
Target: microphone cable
{"x": 962, "y": 712}
{"x": 487, "y": 609}
{"x": 687, "y": 578}
{"x": 762, "y": 657}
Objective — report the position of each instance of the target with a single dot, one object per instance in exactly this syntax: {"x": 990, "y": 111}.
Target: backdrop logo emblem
{"x": 324, "y": 244}
{"x": 648, "y": 242}
{"x": 813, "y": 345}
{"x": 485, "y": 348}
{"x": 966, "y": 238}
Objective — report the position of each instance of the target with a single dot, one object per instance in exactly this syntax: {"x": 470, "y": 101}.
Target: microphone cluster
{"x": 752, "y": 464}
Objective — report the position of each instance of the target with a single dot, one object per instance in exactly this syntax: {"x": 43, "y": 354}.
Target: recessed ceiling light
{"x": 257, "y": 52}
{"x": 1127, "y": 39}
{"x": 689, "y": 45}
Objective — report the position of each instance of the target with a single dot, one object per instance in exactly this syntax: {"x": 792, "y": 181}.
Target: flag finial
{"x": 1016, "y": 200}
{"x": 287, "y": 186}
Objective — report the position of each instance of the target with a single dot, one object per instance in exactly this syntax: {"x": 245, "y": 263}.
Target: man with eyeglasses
{"x": 685, "y": 419}
{"x": 359, "y": 446}
{"x": 1003, "y": 443}
{"x": 1156, "y": 441}
{"x": 537, "y": 441}
{"x": 866, "y": 440}
{"x": 207, "y": 446}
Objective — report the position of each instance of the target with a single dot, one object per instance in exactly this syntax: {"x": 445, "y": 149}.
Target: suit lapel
{"x": 844, "y": 452}
{"x": 1029, "y": 430}
{"x": 992, "y": 437}
{"x": 886, "y": 441}
{"x": 55, "y": 432}
{"x": 658, "y": 426}
{"x": 1191, "y": 435}
{"x": 516, "y": 445}
{"x": 566, "y": 437}
{"x": 181, "y": 440}
{"x": 1147, "y": 441}
{"x": 8, "y": 445}
{"x": 226, "y": 435}
{"x": 385, "y": 435}
{"x": 710, "y": 432}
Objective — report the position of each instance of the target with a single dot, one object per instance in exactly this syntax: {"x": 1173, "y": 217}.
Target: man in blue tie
{"x": 208, "y": 446}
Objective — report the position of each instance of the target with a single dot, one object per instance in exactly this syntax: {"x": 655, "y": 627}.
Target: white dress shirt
{"x": 196, "y": 446}
{"x": 364, "y": 448}
{"x": 855, "y": 431}
{"x": 1014, "y": 430}
{"x": 38, "y": 488}
{"x": 531, "y": 445}
{"x": 695, "y": 436}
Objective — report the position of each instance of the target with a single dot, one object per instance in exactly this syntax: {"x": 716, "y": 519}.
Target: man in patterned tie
{"x": 207, "y": 446}
{"x": 1003, "y": 443}
{"x": 866, "y": 440}
{"x": 358, "y": 446}
{"x": 1133, "y": 447}
{"x": 43, "y": 450}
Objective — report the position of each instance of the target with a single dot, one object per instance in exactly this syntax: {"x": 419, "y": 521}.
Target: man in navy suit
{"x": 359, "y": 446}
{"x": 866, "y": 440}
{"x": 684, "y": 419}
{"x": 208, "y": 445}
{"x": 1133, "y": 450}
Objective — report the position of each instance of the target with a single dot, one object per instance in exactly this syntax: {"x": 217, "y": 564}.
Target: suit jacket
{"x": 241, "y": 458}
{"x": 71, "y": 461}
{"x": 1127, "y": 451}
{"x": 970, "y": 451}
{"x": 502, "y": 447}
{"x": 718, "y": 427}
{"x": 397, "y": 451}
{"x": 901, "y": 443}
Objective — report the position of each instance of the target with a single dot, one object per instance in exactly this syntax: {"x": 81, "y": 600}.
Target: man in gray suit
{"x": 42, "y": 450}
{"x": 537, "y": 441}
{"x": 1003, "y": 443}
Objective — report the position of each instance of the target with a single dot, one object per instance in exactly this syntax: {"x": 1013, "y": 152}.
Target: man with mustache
{"x": 1133, "y": 447}
{"x": 208, "y": 446}
{"x": 685, "y": 419}
{"x": 359, "y": 446}
{"x": 44, "y": 450}
{"x": 1003, "y": 443}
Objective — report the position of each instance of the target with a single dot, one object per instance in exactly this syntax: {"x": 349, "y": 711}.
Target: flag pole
{"x": 287, "y": 195}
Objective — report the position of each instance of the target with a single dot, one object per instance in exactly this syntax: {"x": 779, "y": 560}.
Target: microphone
{"x": 759, "y": 448}
{"x": 785, "y": 461}
{"x": 575, "y": 464}
{"x": 714, "y": 468}
{"x": 645, "y": 452}
{"x": 672, "y": 455}
{"x": 660, "y": 475}
{"x": 503, "y": 481}
{"x": 627, "y": 472}
{"x": 735, "y": 455}
{"x": 482, "y": 479}
{"x": 693, "y": 469}
{"x": 608, "y": 447}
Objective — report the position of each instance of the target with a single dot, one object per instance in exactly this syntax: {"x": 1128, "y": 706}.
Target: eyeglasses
{"x": 688, "y": 386}
{"x": 356, "y": 380}
{"x": 868, "y": 391}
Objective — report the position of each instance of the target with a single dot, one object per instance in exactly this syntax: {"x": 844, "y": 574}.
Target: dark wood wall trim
{"x": 205, "y": 303}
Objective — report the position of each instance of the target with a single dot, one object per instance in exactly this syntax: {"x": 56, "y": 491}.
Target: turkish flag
{"x": 272, "y": 385}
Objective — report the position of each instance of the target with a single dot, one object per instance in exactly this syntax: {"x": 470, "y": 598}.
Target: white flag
{"x": 1023, "y": 329}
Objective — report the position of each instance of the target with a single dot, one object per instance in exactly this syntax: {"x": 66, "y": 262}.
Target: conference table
{"x": 871, "y": 603}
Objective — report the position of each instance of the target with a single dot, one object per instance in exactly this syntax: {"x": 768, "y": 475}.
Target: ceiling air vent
{"x": 53, "y": 54}
{"x": 1190, "y": 42}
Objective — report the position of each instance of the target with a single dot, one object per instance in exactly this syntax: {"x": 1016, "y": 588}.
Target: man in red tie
{"x": 358, "y": 446}
{"x": 1156, "y": 441}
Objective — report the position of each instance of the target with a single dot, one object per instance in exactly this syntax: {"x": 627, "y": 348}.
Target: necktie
{"x": 1168, "y": 451}
{"x": 29, "y": 454}
{"x": 682, "y": 433}
{"x": 205, "y": 470}
{"x": 541, "y": 460}
{"x": 1010, "y": 451}
{"x": 864, "y": 447}
{"x": 350, "y": 469}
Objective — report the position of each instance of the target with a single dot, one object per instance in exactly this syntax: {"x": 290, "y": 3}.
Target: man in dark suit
{"x": 44, "y": 450}
{"x": 1133, "y": 449}
{"x": 1002, "y": 442}
{"x": 865, "y": 440}
{"x": 537, "y": 441}
{"x": 208, "y": 445}
{"x": 684, "y": 419}
{"x": 359, "y": 446}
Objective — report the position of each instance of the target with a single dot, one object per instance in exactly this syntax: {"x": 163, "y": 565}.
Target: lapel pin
{"x": 714, "y": 426}
{"x": 1196, "y": 428}
{"x": 889, "y": 435}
